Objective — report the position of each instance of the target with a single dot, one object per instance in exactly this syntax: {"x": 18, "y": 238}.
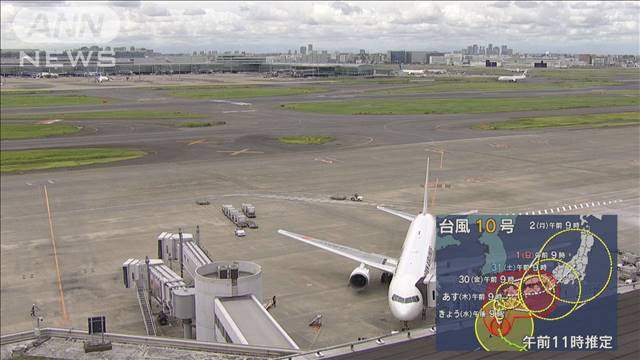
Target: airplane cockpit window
{"x": 402, "y": 300}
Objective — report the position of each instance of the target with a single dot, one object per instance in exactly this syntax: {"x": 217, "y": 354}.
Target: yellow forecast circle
{"x": 519, "y": 327}
{"x": 506, "y": 304}
{"x": 575, "y": 304}
{"x": 610, "y": 265}
{"x": 524, "y": 279}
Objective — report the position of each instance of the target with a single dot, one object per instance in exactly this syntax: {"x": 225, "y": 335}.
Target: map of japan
{"x": 526, "y": 283}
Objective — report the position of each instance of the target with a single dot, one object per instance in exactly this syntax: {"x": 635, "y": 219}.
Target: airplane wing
{"x": 380, "y": 262}
{"x": 399, "y": 213}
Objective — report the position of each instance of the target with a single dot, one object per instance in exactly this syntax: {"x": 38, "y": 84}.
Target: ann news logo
{"x": 66, "y": 25}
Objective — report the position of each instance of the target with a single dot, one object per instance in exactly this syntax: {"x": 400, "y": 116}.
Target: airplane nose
{"x": 406, "y": 312}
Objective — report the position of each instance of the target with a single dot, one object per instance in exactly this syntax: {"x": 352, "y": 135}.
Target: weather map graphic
{"x": 526, "y": 283}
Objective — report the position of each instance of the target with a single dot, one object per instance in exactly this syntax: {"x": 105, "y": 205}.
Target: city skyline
{"x": 534, "y": 27}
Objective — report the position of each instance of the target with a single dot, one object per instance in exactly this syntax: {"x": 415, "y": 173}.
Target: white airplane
{"x": 409, "y": 274}
{"x": 412, "y": 72}
{"x": 102, "y": 78}
{"x": 47, "y": 75}
{"x": 513, "y": 78}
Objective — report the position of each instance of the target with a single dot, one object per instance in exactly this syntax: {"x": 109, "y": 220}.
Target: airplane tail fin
{"x": 425, "y": 203}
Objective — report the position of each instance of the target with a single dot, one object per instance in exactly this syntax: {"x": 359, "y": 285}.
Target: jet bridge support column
{"x": 187, "y": 329}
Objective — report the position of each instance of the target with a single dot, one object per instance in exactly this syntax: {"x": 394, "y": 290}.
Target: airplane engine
{"x": 359, "y": 277}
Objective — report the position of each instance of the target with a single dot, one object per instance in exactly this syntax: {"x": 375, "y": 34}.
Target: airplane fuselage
{"x": 416, "y": 261}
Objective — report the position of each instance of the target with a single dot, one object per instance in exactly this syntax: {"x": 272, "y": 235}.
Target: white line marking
{"x": 237, "y": 111}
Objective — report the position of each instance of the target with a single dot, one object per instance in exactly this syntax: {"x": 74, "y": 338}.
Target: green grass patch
{"x": 626, "y": 92}
{"x": 459, "y": 105}
{"x": 590, "y": 120}
{"x": 107, "y": 115}
{"x": 484, "y": 84}
{"x": 587, "y": 74}
{"x": 25, "y": 160}
{"x": 8, "y": 100}
{"x": 305, "y": 139}
{"x": 32, "y": 131}
{"x": 359, "y": 81}
{"x": 240, "y": 92}
{"x": 196, "y": 124}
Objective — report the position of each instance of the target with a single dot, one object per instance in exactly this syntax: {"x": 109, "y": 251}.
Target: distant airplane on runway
{"x": 513, "y": 78}
{"x": 412, "y": 72}
{"x": 102, "y": 78}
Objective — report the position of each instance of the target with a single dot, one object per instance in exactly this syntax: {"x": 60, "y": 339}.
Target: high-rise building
{"x": 310, "y": 48}
{"x": 475, "y": 49}
{"x": 303, "y": 50}
{"x": 399, "y": 57}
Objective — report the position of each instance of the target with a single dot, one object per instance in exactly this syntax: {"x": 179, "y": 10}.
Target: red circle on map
{"x": 504, "y": 327}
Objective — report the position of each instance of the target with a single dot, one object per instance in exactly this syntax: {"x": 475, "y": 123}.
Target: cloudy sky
{"x": 595, "y": 27}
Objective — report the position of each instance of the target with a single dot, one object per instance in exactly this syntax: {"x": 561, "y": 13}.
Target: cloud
{"x": 526, "y": 4}
{"x": 192, "y": 12}
{"x": 500, "y": 4}
{"x": 345, "y": 8}
{"x": 153, "y": 9}
{"x": 175, "y": 26}
{"x": 125, "y": 4}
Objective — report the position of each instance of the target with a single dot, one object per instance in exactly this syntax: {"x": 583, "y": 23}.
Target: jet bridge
{"x": 223, "y": 298}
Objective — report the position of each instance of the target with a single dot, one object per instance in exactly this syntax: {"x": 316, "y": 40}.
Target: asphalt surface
{"x": 99, "y": 216}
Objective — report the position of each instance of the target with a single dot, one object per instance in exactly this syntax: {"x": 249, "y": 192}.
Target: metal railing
{"x": 236, "y": 349}
{"x": 145, "y": 309}
{"x": 377, "y": 340}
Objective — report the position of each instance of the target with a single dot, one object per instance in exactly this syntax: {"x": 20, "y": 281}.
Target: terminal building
{"x": 65, "y": 64}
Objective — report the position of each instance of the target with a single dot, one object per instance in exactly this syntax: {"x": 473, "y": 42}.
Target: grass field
{"x": 359, "y": 80}
{"x": 459, "y": 105}
{"x": 239, "y": 92}
{"x": 8, "y": 100}
{"x": 587, "y": 74}
{"x": 305, "y": 139}
{"x": 196, "y": 124}
{"x": 25, "y": 160}
{"x": 590, "y": 120}
{"x": 490, "y": 85}
{"x": 110, "y": 115}
{"x": 31, "y": 131}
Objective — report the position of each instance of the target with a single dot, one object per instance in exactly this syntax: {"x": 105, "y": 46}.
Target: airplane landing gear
{"x": 386, "y": 277}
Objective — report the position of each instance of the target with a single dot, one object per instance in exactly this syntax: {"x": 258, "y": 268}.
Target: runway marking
{"x": 499, "y": 145}
{"x": 238, "y": 152}
{"x": 194, "y": 142}
{"x": 63, "y": 306}
{"x": 327, "y": 160}
{"x": 231, "y": 102}
{"x": 584, "y": 205}
{"x": 237, "y": 111}
{"x": 300, "y": 198}
{"x": 47, "y": 122}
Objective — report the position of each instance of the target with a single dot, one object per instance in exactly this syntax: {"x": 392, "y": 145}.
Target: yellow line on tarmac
{"x": 63, "y": 306}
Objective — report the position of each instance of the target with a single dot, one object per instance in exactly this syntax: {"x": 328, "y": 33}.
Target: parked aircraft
{"x": 411, "y": 275}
